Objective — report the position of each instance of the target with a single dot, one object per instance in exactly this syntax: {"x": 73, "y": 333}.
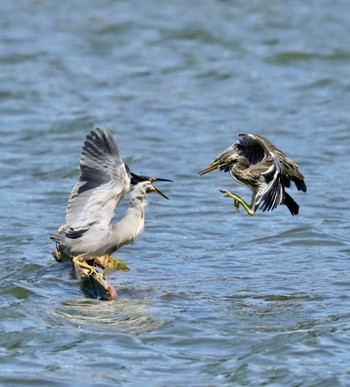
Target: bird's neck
{"x": 131, "y": 225}
{"x": 138, "y": 200}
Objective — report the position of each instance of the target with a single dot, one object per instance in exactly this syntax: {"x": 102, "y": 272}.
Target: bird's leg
{"x": 237, "y": 201}
{"x": 90, "y": 269}
{"x": 236, "y": 204}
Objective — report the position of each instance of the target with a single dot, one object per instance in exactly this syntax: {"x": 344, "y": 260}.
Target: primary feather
{"x": 103, "y": 182}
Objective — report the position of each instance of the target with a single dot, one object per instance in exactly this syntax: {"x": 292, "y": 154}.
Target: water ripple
{"x": 212, "y": 297}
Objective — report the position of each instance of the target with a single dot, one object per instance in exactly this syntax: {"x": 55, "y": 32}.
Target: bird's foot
{"x": 229, "y": 194}
{"x": 87, "y": 269}
{"x": 237, "y": 201}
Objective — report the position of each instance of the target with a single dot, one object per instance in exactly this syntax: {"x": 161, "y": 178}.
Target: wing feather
{"x": 252, "y": 148}
{"x": 256, "y": 148}
{"x": 273, "y": 194}
{"x": 103, "y": 182}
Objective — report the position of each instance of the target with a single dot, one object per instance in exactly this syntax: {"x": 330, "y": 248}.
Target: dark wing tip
{"x": 292, "y": 205}
{"x": 74, "y": 234}
{"x": 99, "y": 151}
{"x": 301, "y": 186}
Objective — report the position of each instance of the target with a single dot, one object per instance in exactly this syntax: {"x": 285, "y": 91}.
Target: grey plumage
{"x": 104, "y": 180}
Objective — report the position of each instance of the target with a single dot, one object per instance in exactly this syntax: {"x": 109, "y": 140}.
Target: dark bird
{"x": 254, "y": 162}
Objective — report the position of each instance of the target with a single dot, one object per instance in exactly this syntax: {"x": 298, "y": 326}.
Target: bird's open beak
{"x": 155, "y": 190}
{"x": 211, "y": 167}
{"x": 137, "y": 178}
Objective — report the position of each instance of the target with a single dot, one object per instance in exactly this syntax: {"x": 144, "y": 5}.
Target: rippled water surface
{"x": 213, "y": 298}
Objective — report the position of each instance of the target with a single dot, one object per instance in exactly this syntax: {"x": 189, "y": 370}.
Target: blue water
{"x": 213, "y": 298}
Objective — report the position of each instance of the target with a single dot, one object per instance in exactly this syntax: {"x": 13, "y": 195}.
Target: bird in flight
{"x": 254, "y": 162}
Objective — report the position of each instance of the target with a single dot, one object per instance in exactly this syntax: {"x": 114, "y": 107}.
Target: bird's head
{"x": 147, "y": 183}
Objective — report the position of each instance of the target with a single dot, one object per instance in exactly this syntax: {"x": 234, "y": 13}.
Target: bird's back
{"x": 258, "y": 151}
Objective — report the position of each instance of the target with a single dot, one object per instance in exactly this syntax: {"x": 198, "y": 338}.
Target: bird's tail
{"x": 292, "y": 205}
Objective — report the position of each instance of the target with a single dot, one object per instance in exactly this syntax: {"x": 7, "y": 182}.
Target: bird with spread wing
{"x": 254, "y": 162}
{"x": 89, "y": 231}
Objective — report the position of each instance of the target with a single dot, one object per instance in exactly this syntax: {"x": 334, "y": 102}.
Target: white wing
{"x": 103, "y": 182}
{"x": 272, "y": 195}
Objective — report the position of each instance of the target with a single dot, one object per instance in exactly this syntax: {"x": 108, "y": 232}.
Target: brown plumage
{"x": 254, "y": 162}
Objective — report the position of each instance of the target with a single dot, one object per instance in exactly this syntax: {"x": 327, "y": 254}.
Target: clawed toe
{"x": 237, "y": 201}
{"x": 229, "y": 194}
{"x": 87, "y": 269}
{"x": 236, "y": 204}
{"x": 226, "y": 193}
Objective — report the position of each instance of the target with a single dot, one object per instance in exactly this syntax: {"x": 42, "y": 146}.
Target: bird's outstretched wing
{"x": 254, "y": 147}
{"x": 103, "y": 182}
{"x": 272, "y": 193}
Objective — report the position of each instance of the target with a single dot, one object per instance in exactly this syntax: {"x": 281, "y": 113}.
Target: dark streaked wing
{"x": 272, "y": 195}
{"x": 291, "y": 172}
{"x": 100, "y": 157}
{"x": 256, "y": 147}
{"x": 103, "y": 182}
{"x": 251, "y": 148}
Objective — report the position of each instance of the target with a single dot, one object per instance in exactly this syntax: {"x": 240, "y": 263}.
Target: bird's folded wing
{"x": 290, "y": 171}
{"x": 103, "y": 182}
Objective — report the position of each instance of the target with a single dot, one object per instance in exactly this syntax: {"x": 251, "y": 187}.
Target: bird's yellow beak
{"x": 210, "y": 168}
{"x": 155, "y": 190}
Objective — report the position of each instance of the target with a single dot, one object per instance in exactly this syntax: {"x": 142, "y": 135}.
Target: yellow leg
{"x": 90, "y": 269}
{"x": 237, "y": 201}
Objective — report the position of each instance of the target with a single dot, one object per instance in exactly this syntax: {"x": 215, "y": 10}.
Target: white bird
{"x": 105, "y": 179}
